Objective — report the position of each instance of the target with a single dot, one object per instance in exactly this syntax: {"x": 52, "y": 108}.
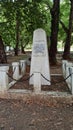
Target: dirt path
{"x": 19, "y": 115}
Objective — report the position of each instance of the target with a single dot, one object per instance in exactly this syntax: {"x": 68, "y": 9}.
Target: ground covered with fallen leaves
{"x": 19, "y": 115}
{"x": 57, "y": 84}
{"x": 24, "y": 115}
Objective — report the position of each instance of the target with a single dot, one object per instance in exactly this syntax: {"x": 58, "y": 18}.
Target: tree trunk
{"x": 54, "y": 31}
{"x": 3, "y": 58}
{"x": 17, "y": 34}
{"x": 22, "y": 49}
{"x": 66, "y": 54}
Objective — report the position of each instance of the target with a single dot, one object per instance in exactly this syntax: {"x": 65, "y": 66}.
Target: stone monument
{"x": 39, "y": 60}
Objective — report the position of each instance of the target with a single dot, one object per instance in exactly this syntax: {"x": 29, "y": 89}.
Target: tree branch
{"x": 64, "y": 27}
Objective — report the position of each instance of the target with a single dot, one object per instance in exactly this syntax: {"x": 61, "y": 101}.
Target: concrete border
{"x": 44, "y": 98}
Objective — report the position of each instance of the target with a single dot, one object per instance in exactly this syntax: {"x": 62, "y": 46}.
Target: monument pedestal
{"x": 37, "y": 82}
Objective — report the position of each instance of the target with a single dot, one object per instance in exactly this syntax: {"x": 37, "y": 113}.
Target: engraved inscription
{"x": 39, "y": 49}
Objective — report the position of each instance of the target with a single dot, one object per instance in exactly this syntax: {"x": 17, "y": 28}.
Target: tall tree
{"x": 17, "y": 32}
{"x": 3, "y": 58}
{"x": 21, "y": 17}
{"x": 54, "y": 31}
{"x": 66, "y": 54}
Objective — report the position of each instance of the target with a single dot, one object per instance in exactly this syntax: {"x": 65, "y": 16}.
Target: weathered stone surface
{"x": 39, "y": 59}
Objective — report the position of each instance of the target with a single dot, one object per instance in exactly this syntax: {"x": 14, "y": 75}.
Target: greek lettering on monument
{"x": 39, "y": 48}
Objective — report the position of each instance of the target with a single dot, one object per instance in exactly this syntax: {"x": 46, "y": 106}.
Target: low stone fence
{"x": 10, "y": 53}
{"x": 67, "y": 69}
{"x": 18, "y": 70}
